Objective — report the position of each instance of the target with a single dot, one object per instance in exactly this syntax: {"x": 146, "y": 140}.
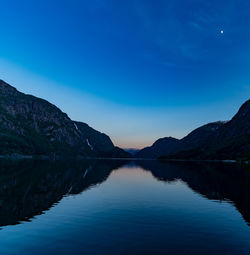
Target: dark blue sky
{"x": 137, "y": 70}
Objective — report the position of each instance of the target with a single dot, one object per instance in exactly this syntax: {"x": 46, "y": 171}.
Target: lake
{"x": 124, "y": 207}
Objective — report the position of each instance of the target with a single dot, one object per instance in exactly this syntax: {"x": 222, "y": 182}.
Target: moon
{"x": 222, "y": 31}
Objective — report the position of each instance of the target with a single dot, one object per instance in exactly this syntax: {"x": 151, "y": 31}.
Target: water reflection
{"x": 29, "y": 188}
{"x": 215, "y": 181}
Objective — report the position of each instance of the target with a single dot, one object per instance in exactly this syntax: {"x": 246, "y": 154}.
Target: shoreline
{"x": 46, "y": 157}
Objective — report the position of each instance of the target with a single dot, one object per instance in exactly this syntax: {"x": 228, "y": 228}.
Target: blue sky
{"x": 136, "y": 70}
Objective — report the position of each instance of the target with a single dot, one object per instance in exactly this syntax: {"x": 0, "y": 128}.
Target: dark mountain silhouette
{"x": 33, "y": 126}
{"x": 132, "y": 151}
{"x": 217, "y": 140}
{"x": 170, "y": 145}
{"x": 162, "y": 146}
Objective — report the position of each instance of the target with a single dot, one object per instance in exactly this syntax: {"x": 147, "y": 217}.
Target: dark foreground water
{"x": 113, "y": 207}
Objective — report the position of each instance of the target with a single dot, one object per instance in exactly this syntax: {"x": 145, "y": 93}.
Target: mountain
{"x": 162, "y": 146}
{"x": 169, "y": 145}
{"x": 232, "y": 140}
{"x": 132, "y": 151}
{"x": 197, "y": 137}
{"x": 217, "y": 140}
{"x": 33, "y": 126}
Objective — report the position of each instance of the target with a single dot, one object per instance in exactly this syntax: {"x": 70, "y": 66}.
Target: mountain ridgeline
{"x": 33, "y": 126}
{"x": 217, "y": 140}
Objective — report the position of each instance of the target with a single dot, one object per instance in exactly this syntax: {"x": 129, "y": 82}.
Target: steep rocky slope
{"x": 217, "y": 140}
{"x": 33, "y": 126}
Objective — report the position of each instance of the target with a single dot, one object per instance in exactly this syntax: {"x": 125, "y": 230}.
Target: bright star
{"x": 222, "y": 32}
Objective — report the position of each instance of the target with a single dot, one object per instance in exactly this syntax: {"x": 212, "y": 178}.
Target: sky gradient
{"x": 136, "y": 70}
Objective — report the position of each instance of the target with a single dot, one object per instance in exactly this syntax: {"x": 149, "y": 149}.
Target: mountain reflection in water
{"x": 28, "y": 188}
{"x": 124, "y": 207}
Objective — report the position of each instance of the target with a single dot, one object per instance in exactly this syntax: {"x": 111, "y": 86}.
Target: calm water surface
{"x": 114, "y": 207}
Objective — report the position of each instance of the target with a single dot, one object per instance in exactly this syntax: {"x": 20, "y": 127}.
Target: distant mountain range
{"x": 217, "y": 140}
{"x": 132, "y": 151}
{"x": 33, "y": 126}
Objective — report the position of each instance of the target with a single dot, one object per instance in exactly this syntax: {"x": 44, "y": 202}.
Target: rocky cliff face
{"x": 33, "y": 126}
{"x": 217, "y": 140}
{"x": 231, "y": 140}
{"x": 99, "y": 143}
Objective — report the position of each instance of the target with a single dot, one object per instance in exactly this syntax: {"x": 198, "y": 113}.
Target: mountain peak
{"x": 6, "y": 88}
{"x": 33, "y": 126}
{"x": 215, "y": 140}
